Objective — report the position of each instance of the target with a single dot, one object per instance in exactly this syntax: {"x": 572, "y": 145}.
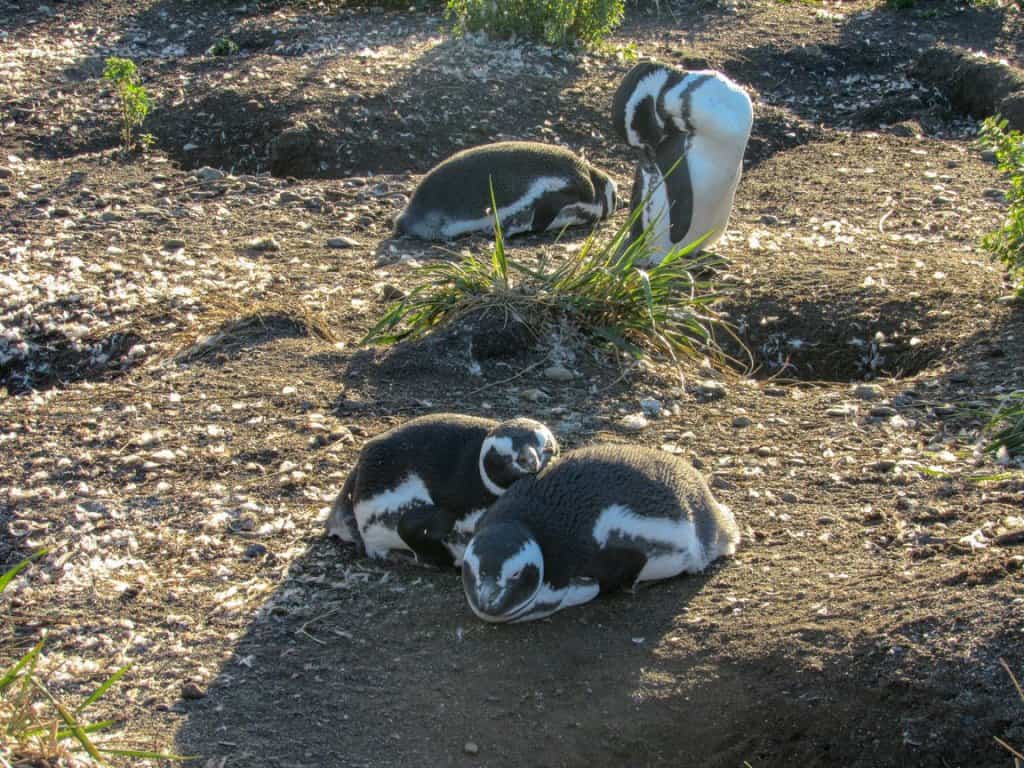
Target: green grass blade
{"x": 28, "y": 660}
{"x": 498, "y": 261}
{"x": 8, "y": 576}
{"x": 106, "y": 686}
{"x": 69, "y": 720}
{"x": 143, "y": 754}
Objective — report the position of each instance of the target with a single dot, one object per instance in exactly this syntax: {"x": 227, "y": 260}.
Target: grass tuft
{"x": 1006, "y": 426}
{"x": 39, "y": 730}
{"x": 554, "y": 22}
{"x": 603, "y": 290}
{"x": 1007, "y": 243}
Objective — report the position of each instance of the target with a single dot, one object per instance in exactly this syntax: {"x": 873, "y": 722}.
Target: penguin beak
{"x": 529, "y": 460}
{"x": 488, "y": 596}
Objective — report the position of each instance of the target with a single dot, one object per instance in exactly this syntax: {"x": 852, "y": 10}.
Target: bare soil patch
{"x": 177, "y": 439}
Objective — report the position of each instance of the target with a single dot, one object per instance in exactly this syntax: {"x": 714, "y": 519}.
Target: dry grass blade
{"x": 1018, "y": 757}
{"x": 1009, "y": 418}
{"x": 232, "y": 326}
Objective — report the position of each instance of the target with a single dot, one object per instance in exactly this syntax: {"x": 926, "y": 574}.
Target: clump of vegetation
{"x": 36, "y": 728}
{"x": 602, "y": 290}
{"x": 135, "y": 101}
{"x": 554, "y": 22}
{"x": 1007, "y": 244}
{"x": 1006, "y": 426}
{"x": 225, "y": 46}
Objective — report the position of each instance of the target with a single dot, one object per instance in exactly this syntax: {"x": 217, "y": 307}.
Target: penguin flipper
{"x": 616, "y": 567}
{"x": 424, "y": 529}
{"x": 675, "y": 172}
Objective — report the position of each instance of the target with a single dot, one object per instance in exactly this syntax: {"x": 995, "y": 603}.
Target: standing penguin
{"x": 602, "y": 518}
{"x": 692, "y": 129}
{"x": 537, "y": 187}
{"x": 423, "y": 485}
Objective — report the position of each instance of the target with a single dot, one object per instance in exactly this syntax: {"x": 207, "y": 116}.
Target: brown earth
{"x": 183, "y": 485}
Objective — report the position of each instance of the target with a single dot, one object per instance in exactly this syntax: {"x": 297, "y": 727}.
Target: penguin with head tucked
{"x": 422, "y": 486}
{"x": 600, "y": 519}
{"x": 691, "y": 129}
{"x": 537, "y": 187}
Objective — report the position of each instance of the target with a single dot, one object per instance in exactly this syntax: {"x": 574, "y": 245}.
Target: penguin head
{"x": 502, "y": 572}
{"x": 635, "y": 111}
{"x": 513, "y": 450}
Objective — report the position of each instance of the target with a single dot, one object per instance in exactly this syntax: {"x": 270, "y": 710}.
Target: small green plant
{"x": 225, "y": 46}
{"x": 1006, "y": 427}
{"x": 1007, "y": 243}
{"x": 602, "y": 290}
{"x": 554, "y": 22}
{"x": 135, "y": 101}
{"x": 36, "y": 728}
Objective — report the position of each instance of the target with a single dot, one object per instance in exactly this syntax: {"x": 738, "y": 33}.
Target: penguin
{"x": 422, "y": 486}
{"x": 537, "y": 187}
{"x": 600, "y": 519}
{"x": 691, "y": 129}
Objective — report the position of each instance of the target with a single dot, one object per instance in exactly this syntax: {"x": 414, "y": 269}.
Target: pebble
{"x": 740, "y": 422}
{"x": 826, "y": 520}
{"x": 289, "y": 197}
{"x": 254, "y": 550}
{"x": 471, "y": 748}
{"x": 770, "y": 220}
{"x": 789, "y": 497}
{"x": 5, "y": 190}
{"x": 883, "y": 411}
{"x": 534, "y": 395}
{"x": 559, "y": 373}
{"x": 988, "y": 155}
{"x": 945, "y": 410}
{"x": 5, "y": 172}
{"x": 192, "y": 691}
{"x": 882, "y": 465}
{"x": 634, "y": 422}
{"x": 206, "y": 173}
{"x": 868, "y": 392}
{"x": 342, "y": 242}
{"x": 651, "y": 407}
{"x": 148, "y": 211}
{"x": 174, "y": 244}
{"x": 993, "y": 194}
{"x": 263, "y": 244}
{"x": 711, "y": 389}
{"x": 841, "y": 411}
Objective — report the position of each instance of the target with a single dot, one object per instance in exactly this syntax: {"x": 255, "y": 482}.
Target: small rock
{"x": 946, "y": 409}
{"x": 993, "y": 194}
{"x": 711, "y": 389}
{"x": 770, "y": 220}
{"x": 389, "y": 292}
{"x": 471, "y": 748}
{"x": 5, "y": 172}
{"x": 789, "y": 497}
{"x": 868, "y": 392}
{"x": 191, "y": 691}
{"x": 61, "y": 212}
{"x": 741, "y": 422}
{"x": 842, "y": 411}
{"x": 989, "y": 156}
{"x": 882, "y": 465}
{"x": 254, "y": 550}
{"x": 722, "y": 484}
{"x": 883, "y": 411}
{"x": 5, "y": 190}
{"x": 148, "y": 212}
{"x": 534, "y": 395}
{"x": 651, "y": 407}
{"x": 263, "y": 244}
{"x": 174, "y": 244}
{"x": 289, "y": 197}
{"x": 206, "y": 173}
{"x": 342, "y": 242}
{"x": 634, "y": 422}
{"x": 826, "y": 520}
{"x": 559, "y": 373}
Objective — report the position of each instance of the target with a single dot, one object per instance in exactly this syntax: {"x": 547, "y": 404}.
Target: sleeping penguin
{"x": 602, "y": 518}
{"x": 691, "y": 129}
{"x": 422, "y": 486}
{"x": 537, "y": 187}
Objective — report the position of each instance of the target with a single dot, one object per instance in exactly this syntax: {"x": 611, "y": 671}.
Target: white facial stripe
{"x": 470, "y": 559}
{"x": 647, "y": 87}
{"x": 528, "y": 554}
{"x": 577, "y": 213}
{"x": 503, "y": 445}
{"x": 538, "y": 188}
{"x": 467, "y": 525}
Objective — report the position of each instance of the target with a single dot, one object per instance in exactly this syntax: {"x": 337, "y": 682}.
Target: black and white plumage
{"x": 691, "y": 128}
{"x": 423, "y": 485}
{"x": 537, "y": 187}
{"x": 601, "y": 518}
